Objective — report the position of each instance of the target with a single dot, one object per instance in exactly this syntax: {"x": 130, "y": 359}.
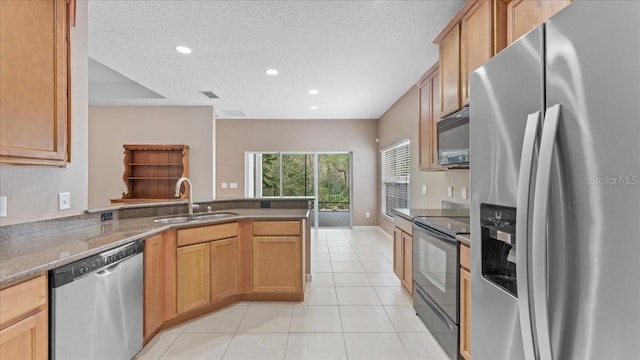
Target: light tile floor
{"x": 354, "y": 308}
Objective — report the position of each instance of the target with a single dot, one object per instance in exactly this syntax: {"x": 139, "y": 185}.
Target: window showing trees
{"x": 333, "y": 182}
{"x": 292, "y": 174}
{"x": 297, "y": 175}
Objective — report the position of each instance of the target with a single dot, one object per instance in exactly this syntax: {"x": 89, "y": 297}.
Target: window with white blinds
{"x": 395, "y": 177}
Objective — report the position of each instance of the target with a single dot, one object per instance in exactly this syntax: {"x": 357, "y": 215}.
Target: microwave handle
{"x": 522, "y": 218}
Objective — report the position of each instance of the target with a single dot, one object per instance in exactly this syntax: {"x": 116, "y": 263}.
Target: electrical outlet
{"x": 64, "y": 201}
{"x": 464, "y": 192}
{"x": 3, "y": 206}
{"x": 450, "y": 191}
{"x": 367, "y": 215}
{"x": 233, "y": 185}
{"x": 225, "y": 185}
{"x": 424, "y": 189}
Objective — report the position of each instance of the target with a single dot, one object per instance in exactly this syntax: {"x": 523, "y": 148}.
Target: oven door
{"x": 435, "y": 268}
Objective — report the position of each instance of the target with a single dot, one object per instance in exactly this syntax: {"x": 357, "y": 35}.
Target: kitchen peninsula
{"x": 258, "y": 250}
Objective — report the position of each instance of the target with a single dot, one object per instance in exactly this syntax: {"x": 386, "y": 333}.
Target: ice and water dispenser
{"x": 498, "y": 224}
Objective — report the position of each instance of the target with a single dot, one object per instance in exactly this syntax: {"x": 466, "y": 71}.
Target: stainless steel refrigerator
{"x": 555, "y": 190}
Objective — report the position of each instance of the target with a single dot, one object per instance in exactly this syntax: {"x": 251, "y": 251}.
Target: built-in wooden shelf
{"x": 151, "y": 172}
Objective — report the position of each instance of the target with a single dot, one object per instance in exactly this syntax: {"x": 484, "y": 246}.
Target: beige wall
{"x": 237, "y": 136}
{"x": 401, "y": 122}
{"x": 32, "y": 191}
{"x": 111, "y": 127}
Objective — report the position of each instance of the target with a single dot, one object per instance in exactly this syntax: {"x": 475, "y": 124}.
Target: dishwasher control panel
{"x": 80, "y": 268}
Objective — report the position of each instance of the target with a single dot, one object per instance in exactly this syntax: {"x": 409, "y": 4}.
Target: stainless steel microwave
{"x": 453, "y": 139}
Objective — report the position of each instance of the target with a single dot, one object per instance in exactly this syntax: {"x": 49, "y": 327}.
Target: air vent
{"x": 233, "y": 113}
{"x": 210, "y": 94}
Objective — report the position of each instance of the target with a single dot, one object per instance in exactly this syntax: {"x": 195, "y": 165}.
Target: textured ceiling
{"x": 360, "y": 55}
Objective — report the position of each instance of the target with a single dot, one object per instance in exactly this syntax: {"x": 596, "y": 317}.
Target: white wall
{"x": 401, "y": 122}
{"x": 32, "y": 191}
{"x": 237, "y": 136}
{"x": 112, "y": 127}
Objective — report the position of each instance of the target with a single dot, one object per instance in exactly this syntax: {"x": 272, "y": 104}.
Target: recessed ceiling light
{"x": 313, "y": 92}
{"x": 272, "y": 72}
{"x": 313, "y": 107}
{"x": 183, "y": 49}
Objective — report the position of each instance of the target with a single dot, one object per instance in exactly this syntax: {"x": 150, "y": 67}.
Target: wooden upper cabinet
{"x": 34, "y": 86}
{"x": 482, "y": 36}
{"x": 429, "y": 116}
{"x": 475, "y": 34}
{"x": 524, "y": 15}
{"x": 450, "y": 72}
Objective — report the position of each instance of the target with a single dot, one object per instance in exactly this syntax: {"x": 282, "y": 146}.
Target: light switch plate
{"x": 64, "y": 201}
{"x": 367, "y": 215}
{"x": 464, "y": 192}
{"x": 424, "y": 189}
{"x": 233, "y": 185}
{"x": 3, "y": 206}
{"x": 450, "y": 191}
{"x": 224, "y": 185}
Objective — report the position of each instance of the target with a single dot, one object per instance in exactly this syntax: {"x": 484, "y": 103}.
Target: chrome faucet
{"x": 178, "y": 185}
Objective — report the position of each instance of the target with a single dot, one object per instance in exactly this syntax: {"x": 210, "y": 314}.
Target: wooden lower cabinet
{"x": 403, "y": 257}
{"x": 193, "y": 277}
{"x": 224, "y": 268}
{"x": 397, "y": 253}
{"x": 407, "y": 265}
{"x": 24, "y": 320}
{"x": 154, "y": 266}
{"x": 26, "y": 339}
{"x": 277, "y": 264}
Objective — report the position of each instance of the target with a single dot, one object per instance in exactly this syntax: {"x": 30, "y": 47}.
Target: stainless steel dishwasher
{"x": 96, "y": 306}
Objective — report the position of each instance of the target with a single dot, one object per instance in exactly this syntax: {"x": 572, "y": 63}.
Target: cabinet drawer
{"x": 207, "y": 233}
{"x": 22, "y": 299}
{"x": 284, "y": 228}
{"x": 465, "y": 257}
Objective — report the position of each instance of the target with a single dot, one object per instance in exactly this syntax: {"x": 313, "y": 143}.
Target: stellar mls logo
{"x": 615, "y": 180}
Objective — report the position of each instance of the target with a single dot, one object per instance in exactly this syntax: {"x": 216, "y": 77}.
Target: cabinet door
{"x": 465, "y": 314}
{"x": 153, "y": 285}
{"x": 434, "y": 118}
{"x": 476, "y": 44}
{"x": 33, "y": 90}
{"x": 26, "y": 339}
{"x": 224, "y": 268}
{"x": 277, "y": 264}
{"x": 450, "y": 72}
{"x": 524, "y": 15}
{"x": 193, "y": 277}
{"x": 424, "y": 127}
{"x": 397, "y": 253}
{"x": 407, "y": 266}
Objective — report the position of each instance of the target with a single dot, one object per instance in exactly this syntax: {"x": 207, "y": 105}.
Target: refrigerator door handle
{"x": 539, "y": 232}
{"x": 522, "y": 242}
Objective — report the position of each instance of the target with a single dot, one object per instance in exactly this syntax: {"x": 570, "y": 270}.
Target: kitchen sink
{"x": 193, "y": 218}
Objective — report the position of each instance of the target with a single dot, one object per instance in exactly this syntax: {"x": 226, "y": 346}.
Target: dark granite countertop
{"x": 23, "y": 257}
{"x": 409, "y": 214}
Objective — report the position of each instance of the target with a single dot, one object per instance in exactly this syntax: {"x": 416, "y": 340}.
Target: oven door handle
{"x": 522, "y": 229}
{"x": 435, "y": 234}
